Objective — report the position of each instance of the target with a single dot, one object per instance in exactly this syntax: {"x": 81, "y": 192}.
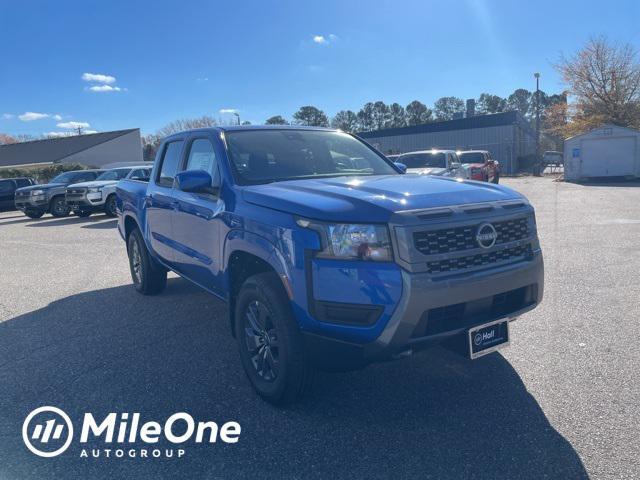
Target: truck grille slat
{"x": 448, "y": 240}
{"x": 481, "y": 259}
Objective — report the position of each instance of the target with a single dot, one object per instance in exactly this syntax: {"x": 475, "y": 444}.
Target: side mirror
{"x": 455, "y": 165}
{"x": 401, "y": 166}
{"x": 196, "y": 181}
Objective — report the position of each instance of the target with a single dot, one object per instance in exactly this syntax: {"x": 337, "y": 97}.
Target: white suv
{"x": 100, "y": 195}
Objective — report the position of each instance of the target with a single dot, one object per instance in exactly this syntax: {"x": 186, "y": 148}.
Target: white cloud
{"x": 105, "y": 88}
{"x": 31, "y": 116}
{"x": 59, "y": 134}
{"x": 98, "y": 78}
{"x": 88, "y": 132}
{"x": 228, "y": 110}
{"x": 322, "y": 40}
{"x": 202, "y": 79}
{"x": 57, "y": 117}
{"x": 8, "y": 116}
{"x": 73, "y": 125}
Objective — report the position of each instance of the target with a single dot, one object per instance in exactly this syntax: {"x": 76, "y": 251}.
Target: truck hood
{"x": 371, "y": 199}
{"x": 43, "y": 186}
{"x": 94, "y": 183}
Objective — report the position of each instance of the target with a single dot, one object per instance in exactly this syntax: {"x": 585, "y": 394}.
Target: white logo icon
{"x": 55, "y": 427}
{"x": 487, "y": 235}
{"x": 477, "y": 339}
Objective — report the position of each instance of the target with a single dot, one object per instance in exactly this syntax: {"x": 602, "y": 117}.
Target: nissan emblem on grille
{"x": 487, "y": 235}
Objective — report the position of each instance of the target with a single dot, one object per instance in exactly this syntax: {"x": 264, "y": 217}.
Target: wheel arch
{"x": 248, "y": 254}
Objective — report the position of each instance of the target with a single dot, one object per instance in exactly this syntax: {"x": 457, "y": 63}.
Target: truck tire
{"x": 83, "y": 213}
{"x": 271, "y": 347}
{"x": 110, "y": 206}
{"x": 496, "y": 178}
{"x": 58, "y": 207}
{"x": 148, "y": 277}
{"x": 34, "y": 213}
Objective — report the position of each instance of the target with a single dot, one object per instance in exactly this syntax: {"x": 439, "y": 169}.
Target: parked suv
{"x": 37, "y": 200}
{"x": 478, "y": 165}
{"x": 431, "y": 162}
{"x": 99, "y": 195}
{"x": 326, "y": 262}
{"x": 8, "y": 188}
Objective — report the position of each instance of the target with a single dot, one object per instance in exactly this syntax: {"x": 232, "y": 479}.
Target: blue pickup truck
{"x": 328, "y": 255}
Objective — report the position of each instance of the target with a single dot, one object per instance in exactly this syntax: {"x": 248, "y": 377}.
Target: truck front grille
{"x": 75, "y": 192}
{"x": 461, "y": 263}
{"x": 23, "y": 194}
{"x": 458, "y": 239}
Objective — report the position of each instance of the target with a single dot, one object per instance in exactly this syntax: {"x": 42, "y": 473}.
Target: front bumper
{"x": 431, "y": 311}
{"x": 37, "y": 202}
{"x": 84, "y": 200}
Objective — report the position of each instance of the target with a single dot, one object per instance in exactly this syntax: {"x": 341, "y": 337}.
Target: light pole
{"x": 537, "y": 168}
{"x": 237, "y": 115}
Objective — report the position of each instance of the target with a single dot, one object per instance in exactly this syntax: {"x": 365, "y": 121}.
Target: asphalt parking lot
{"x": 563, "y": 401}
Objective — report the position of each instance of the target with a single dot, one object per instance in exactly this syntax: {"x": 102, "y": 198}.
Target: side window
{"x": 203, "y": 157}
{"x": 170, "y": 163}
{"x": 139, "y": 174}
{"x": 6, "y": 186}
{"x": 22, "y": 182}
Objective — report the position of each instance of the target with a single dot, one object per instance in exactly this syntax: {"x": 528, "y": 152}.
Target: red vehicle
{"x": 478, "y": 165}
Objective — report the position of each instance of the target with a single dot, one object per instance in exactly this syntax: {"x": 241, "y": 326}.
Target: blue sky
{"x": 172, "y": 60}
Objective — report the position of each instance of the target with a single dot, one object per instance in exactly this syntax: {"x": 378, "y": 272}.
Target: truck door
{"x": 196, "y": 220}
{"x": 160, "y": 202}
{"x": 7, "y": 190}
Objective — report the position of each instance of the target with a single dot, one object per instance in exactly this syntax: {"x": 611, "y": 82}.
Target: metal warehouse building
{"x": 95, "y": 150}
{"x": 506, "y": 135}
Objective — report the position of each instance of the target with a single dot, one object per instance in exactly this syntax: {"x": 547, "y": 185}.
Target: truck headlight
{"x": 94, "y": 190}
{"x": 35, "y": 193}
{"x": 352, "y": 240}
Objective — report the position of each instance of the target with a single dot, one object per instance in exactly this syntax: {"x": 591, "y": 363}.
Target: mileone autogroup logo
{"x": 48, "y": 432}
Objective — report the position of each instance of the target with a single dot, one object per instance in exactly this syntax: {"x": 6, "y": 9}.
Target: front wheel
{"x": 148, "y": 277}
{"x": 110, "y": 206}
{"x": 270, "y": 344}
{"x": 34, "y": 213}
{"x": 59, "y": 207}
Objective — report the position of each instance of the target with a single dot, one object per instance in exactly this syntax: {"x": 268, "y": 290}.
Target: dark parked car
{"x": 37, "y": 200}
{"x": 8, "y": 188}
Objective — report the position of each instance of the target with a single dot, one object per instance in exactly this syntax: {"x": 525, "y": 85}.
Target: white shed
{"x": 607, "y": 151}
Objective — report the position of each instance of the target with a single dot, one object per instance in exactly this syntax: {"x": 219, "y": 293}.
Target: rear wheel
{"x": 148, "y": 277}
{"x": 59, "y": 208}
{"x": 270, "y": 344}
{"x": 110, "y": 205}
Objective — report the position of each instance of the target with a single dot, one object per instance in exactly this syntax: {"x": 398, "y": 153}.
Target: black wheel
{"x": 496, "y": 178}
{"x": 270, "y": 344}
{"x": 148, "y": 277}
{"x": 58, "y": 207}
{"x": 83, "y": 213}
{"x": 34, "y": 213}
{"x": 110, "y": 205}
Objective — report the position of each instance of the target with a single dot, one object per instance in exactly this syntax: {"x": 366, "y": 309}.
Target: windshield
{"x": 118, "y": 174}
{"x": 471, "y": 157}
{"x": 262, "y": 156}
{"x": 424, "y": 160}
{"x": 66, "y": 177}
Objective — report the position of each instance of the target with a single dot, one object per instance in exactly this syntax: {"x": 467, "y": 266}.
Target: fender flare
{"x": 259, "y": 246}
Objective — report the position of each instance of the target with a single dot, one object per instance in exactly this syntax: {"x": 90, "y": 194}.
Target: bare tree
{"x": 345, "y": 120}
{"x": 186, "y": 124}
{"x": 604, "y": 81}
{"x": 7, "y": 139}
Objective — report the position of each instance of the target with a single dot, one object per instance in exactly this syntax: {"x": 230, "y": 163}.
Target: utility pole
{"x": 79, "y": 129}
{"x": 538, "y": 165}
